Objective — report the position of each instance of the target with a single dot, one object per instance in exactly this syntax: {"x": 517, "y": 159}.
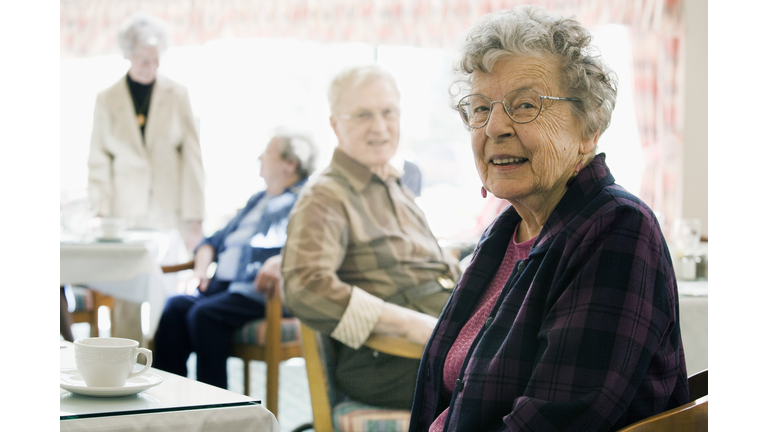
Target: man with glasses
{"x": 360, "y": 257}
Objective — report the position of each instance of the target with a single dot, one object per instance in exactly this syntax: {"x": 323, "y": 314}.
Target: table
{"x": 178, "y": 403}
{"x": 127, "y": 270}
{"x": 694, "y": 328}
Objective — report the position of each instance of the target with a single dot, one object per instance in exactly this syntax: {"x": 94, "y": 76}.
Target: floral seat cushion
{"x": 255, "y": 332}
{"x": 354, "y": 416}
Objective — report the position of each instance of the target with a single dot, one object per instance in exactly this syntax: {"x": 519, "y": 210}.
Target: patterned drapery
{"x": 89, "y": 28}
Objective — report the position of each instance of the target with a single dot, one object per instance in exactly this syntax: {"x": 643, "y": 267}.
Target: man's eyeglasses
{"x": 522, "y": 106}
{"x": 366, "y": 116}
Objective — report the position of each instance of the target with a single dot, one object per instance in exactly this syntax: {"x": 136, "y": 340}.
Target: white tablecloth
{"x": 694, "y": 327}
{"x": 128, "y": 270}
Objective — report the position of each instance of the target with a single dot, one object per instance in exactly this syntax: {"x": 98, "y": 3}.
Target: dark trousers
{"x": 202, "y": 324}
{"x": 375, "y": 378}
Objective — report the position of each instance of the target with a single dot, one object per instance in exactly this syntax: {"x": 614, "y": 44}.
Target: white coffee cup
{"x": 107, "y": 361}
{"x": 112, "y": 227}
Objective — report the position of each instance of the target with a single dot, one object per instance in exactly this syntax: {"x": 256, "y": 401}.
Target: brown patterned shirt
{"x": 355, "y": 240}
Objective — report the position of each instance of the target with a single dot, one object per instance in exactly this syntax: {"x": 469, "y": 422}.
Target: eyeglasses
{"x": 522, "y": 106}
{"x": 366, "y": 116}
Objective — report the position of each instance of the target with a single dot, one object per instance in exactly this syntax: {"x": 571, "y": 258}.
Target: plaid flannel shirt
{"x": 585, "y": 334}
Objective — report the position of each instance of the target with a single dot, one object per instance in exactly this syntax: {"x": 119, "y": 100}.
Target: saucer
{"x": 109, "y": 239}
{"x": 71, "y": 380}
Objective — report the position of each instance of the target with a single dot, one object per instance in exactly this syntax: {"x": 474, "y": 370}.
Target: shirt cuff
{"x": 359, "y": 319}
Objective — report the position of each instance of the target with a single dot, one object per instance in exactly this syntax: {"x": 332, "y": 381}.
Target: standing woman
{"x": 567, "y": 316}
{"x": 145, "y": 164}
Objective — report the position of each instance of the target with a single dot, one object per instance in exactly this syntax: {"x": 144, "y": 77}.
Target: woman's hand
{"x": 268, "y": 278}
{"x": 203, "y": 259}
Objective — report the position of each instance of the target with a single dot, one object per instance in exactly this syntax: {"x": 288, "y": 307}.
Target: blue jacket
{"x": 270, "y": 234}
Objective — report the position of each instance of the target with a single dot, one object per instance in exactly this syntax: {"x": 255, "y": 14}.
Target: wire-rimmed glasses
{"x": 521, "y": 105}
{"x": 365, "y": 116}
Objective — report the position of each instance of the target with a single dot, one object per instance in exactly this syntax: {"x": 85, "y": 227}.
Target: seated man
{"x": 360, "y": 257}
{"x": 247, "y": 253}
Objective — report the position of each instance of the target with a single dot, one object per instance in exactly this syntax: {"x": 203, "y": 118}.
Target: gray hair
{"x": 142, "y": 29}
{"x": 353, "y": 77}
{"x": 297, "y": 146}
{"x": 530, "y": 31}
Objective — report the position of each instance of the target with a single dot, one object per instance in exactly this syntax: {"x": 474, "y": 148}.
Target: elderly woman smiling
{"x": 566, "y": 318}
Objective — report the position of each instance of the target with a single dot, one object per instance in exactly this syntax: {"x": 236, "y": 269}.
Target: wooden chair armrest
{"x": 178, "y": 267}
{"x": 394, "y": 345}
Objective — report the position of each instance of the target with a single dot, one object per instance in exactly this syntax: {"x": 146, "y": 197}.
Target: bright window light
{"x": 241, "y": 89}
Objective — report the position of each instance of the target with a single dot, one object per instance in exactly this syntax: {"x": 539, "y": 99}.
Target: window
{"x": 243, "y": 88}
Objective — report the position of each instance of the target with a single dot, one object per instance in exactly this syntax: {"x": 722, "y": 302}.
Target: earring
{"x": 483, "y": 192}
{"x": 578, "y": 169}
{"x": 579, "y": 165}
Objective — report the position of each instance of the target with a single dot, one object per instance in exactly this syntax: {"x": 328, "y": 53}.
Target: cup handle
{"x": 148, "y": 354}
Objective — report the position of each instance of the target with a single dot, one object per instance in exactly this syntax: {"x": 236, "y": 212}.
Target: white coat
{"x": 152, "y": 182}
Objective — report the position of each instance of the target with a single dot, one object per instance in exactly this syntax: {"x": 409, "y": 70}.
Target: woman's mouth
{"x": 508, "y": 161}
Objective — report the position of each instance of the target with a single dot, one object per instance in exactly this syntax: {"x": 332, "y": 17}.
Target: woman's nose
{"x": 499, "y": 124}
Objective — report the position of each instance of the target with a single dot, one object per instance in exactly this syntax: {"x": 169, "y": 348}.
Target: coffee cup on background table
{"x": 112, "y": 227}
{"x": 109, "y": 362}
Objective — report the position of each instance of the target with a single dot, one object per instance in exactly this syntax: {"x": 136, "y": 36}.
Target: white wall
{"x": 695, "y": 173}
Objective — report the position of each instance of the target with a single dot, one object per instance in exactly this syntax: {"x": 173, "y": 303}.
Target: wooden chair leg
{"x": 65, "y": 318}
{"x": 247, "y": 377}
{"x": 94, "y": 321}
{"x": 274, "y": 316}
{"x": 273, "y": 379}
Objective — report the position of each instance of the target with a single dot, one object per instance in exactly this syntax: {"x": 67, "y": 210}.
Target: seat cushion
{"x": 354, "y": 416}
{"x": 255, "y": 332}
{"x": 83, "y": 299}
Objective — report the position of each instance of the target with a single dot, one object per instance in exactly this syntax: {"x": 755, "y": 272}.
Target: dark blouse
{"x": 141, "y": 95}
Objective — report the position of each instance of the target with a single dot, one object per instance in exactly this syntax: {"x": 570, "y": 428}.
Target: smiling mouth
{"x": 509, "y": 161}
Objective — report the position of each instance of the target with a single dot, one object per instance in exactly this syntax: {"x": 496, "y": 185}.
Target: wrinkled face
{"x": 273, "y": 166}
{"x": 368, "y": 127}
{"x": 145, "y": 60}
{"x": 527, "y": 162}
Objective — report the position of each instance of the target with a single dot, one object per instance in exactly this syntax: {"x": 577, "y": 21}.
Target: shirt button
{"x": 459, "y": 385}
{"x": 375, "y": 354}
{"x": 520, "y": 267}
{"x": 488, "y": 322}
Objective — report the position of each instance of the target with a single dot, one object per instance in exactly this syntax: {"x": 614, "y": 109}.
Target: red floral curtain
{"x": 657, "y": 51}
{"x": 89, "y": 28}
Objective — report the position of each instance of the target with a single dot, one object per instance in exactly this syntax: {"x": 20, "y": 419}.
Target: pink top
{"x": 460, "y": 348}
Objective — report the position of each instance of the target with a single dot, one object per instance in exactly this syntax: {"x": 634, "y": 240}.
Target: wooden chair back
{"x": 91, "y": 316}
{"x": 697, "y": 385}
{"x": 321, "y": 388}
{"x": 691, "y": 417}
